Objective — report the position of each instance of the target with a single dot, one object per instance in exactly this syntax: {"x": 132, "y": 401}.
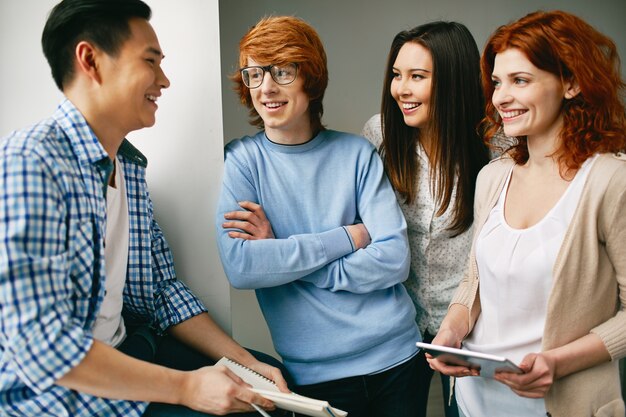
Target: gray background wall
{"x": 357, "y": 35}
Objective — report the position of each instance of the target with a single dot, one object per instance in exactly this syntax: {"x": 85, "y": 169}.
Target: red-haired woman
{"x": 549, "y": 227}
{"x": 432, "y": 153}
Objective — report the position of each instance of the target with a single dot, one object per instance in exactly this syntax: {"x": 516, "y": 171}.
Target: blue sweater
{"x": 333, "y": 312}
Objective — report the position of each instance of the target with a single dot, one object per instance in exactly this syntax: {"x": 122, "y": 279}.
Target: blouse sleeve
{"x": 372, "y": 131}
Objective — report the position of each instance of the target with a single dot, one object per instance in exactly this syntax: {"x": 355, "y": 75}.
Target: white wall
{"x": 184, "y": 148}
{"x": 28, "y": 92}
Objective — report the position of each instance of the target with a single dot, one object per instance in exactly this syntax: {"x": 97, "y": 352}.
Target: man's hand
{"x": 108, "y": 373}
{"x": 224, "y": 389}
{"x": 217, "y": 390}
{"x": 270, "y": 372}
{"x": 252, "y": 222}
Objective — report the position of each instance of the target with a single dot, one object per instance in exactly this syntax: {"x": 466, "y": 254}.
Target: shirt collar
{"x": 302, "y": 147}
{"x": 83, "y": 140}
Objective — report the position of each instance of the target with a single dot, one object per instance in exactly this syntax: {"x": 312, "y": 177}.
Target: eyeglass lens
{"x": 282, "y": 74}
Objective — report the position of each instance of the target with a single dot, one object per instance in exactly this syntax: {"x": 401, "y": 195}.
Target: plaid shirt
{"x": 52, "y": 222}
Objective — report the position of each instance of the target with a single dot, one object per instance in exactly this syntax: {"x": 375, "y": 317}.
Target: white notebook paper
{"x": 288, "y": 401}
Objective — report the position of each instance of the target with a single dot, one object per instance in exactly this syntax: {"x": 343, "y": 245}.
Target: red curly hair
{"x": 282, "y": 40}
{"x": 594, "y": 121}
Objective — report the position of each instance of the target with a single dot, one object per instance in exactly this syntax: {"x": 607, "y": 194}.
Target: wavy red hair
{"x": 568, "y": 47}
{"x": 281, "y": 40}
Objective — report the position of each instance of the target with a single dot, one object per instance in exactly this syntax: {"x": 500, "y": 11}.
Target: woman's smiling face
{"x": 529, "y": 100}
{"x": 411, "y": 83}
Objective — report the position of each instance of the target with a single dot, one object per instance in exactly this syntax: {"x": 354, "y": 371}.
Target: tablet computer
{"x": 487, "y": 364}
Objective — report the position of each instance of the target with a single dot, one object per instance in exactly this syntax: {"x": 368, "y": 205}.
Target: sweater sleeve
{"x": 385, "y": 261}
{"x": 253, "y": 264}
{"x": 613, "y": 223}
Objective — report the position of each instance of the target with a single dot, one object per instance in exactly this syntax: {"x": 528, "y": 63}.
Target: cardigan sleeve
{"x": 613, "y": 224}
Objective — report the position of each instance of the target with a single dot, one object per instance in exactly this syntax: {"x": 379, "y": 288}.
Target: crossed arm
{"x": 368, "y": 255}
{"x": 251, "y": 223}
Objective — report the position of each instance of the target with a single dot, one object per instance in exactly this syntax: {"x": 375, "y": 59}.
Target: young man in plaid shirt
{"x": 79, "y": 245}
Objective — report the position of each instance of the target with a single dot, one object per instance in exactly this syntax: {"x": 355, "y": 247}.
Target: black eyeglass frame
{"x": 268, "y": 68}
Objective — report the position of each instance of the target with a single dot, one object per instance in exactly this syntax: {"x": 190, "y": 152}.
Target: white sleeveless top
{"x": 109, "y": 327}
{"x": 515, "y": 268}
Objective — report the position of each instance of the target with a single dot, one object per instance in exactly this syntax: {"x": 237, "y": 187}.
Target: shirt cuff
{"x": 174, "y": 305}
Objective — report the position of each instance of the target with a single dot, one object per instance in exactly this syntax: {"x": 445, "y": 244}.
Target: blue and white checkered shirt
{"x": 52, "y": 222}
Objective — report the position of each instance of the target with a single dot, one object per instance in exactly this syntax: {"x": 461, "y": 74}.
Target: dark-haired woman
{"x": 427, "y": 137}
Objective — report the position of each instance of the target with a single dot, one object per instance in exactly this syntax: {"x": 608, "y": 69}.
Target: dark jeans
{"x": 425, "y": 374}
{"x": 387, "y": 394}
{"x": 143, "y": 343}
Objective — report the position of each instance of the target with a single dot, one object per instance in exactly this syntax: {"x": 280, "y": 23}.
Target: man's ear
{"x": 87, "y": 60}
{"x": 572, "y": 89}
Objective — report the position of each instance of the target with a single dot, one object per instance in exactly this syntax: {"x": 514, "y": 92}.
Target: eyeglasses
{"x": 282, "y": 74}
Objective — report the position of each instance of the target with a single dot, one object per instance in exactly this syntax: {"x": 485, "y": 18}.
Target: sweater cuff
{"x": 349, "y": 237}
{"x": 612, "y": 334}
{"x": 463, "y": 295}
{"x": 337, "y": 243}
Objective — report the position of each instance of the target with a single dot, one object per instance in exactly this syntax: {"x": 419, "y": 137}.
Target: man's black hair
{"x": 104, "y": 23}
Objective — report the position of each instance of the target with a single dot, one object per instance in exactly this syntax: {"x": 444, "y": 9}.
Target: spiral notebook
{"x": 287, "y": 401}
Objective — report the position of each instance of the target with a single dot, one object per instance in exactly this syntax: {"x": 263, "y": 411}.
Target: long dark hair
{"x": 457, "y": 107}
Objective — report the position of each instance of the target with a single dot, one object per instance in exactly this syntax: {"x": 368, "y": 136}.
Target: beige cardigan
{"x": 589, "y": 289}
